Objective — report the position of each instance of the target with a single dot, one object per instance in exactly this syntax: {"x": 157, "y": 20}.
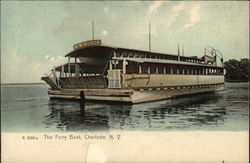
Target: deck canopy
{"x": 94, "y": 51}
{"x": 92, "y": 59}
{"x": 98, "y": 50}
{"x": 95, "y": 59}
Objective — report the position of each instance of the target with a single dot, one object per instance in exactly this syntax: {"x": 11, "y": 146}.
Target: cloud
{"x": 52, "y": 59}
{"x": 153, "y": 7}
{"x": 194, "y": 16}
{"x": 104, "y": 32}
{"x": 172, "y": 14}
{"x": 169, "y": 16}
{"x": 106, "y": 9}
{"x": 21, "y": 69}
{"x": 55, "y": 60}
{"x": 179, "y": 7}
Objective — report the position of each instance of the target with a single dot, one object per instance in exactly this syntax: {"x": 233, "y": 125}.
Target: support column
{"x": 76, "y": 68}
{"x": 124, "y": 83}
{"x": 124, "y": 66}
{"x": 110, "y": 65}
{"x": 139, "y": 69}
{"x": 62, "y": 70}
{"x": 69, "y": 72}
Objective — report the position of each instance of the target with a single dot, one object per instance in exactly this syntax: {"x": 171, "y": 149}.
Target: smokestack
{"x": 93, "y": 32}
{"x": 178, "y": 52}
{"x": 149, "y": 37}
{"x": 182, "y": 50}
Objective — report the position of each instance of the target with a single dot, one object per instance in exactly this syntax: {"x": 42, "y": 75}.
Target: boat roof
{"x": 85, "y": 50}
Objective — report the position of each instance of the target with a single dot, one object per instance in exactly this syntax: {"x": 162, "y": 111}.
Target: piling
{"x": 82, "y": 96}
{"x": 82, "y": 102}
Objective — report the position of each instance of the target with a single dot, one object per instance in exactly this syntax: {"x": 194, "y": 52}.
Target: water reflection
{"x": 71, "y": 116}
{"x": 190, "y": 112}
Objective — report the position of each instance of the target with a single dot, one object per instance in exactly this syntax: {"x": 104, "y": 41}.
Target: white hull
{"x": 134, "y": 96}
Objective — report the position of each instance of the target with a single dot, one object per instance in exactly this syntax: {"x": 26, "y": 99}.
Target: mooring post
{"x": 82, "y": 101}
{"x": 82, "y": 96}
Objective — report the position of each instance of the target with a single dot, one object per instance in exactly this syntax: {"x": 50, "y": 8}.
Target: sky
{"x": 36, "y": 35}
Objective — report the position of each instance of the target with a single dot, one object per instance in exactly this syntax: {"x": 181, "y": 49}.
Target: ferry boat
{"x": 106, "y": 73}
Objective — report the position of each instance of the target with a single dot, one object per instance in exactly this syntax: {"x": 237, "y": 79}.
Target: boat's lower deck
{"x": 135, "y": 95}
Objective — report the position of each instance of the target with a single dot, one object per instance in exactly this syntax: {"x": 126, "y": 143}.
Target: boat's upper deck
{"x": 93, "y": 53}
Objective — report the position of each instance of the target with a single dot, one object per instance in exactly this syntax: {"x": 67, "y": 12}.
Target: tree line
{"x": 237, "y": 70}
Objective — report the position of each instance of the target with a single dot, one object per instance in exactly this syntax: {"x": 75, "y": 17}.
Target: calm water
{"x": 27, "y": 108}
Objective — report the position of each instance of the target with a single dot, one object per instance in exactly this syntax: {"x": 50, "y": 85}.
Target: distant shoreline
{"x": 236, "y": 81}
{"x": 22, "y": 83}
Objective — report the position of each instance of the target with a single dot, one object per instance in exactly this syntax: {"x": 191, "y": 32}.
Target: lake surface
{"x": 27, "y": 108}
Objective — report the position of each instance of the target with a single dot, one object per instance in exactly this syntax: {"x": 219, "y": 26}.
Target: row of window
{"x": 133, "y": 67}
{"x": 151, "y": 56}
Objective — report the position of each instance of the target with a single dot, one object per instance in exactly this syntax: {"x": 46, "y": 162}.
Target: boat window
{"x": 144, "y": 69}
{"x": 137, "y": 55}
{"x": 152, "y": 69}
{"x": 118, "y": 54}
{"x": 125, "y": 54}
{"x": 160, "y": 69}
{"x": 131, "y": 55}
{"x": 142, "y": 55}
{"x": 132, "y": 67}
{"x": 168, "y": 71}
{"x": 174, "y": 69}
